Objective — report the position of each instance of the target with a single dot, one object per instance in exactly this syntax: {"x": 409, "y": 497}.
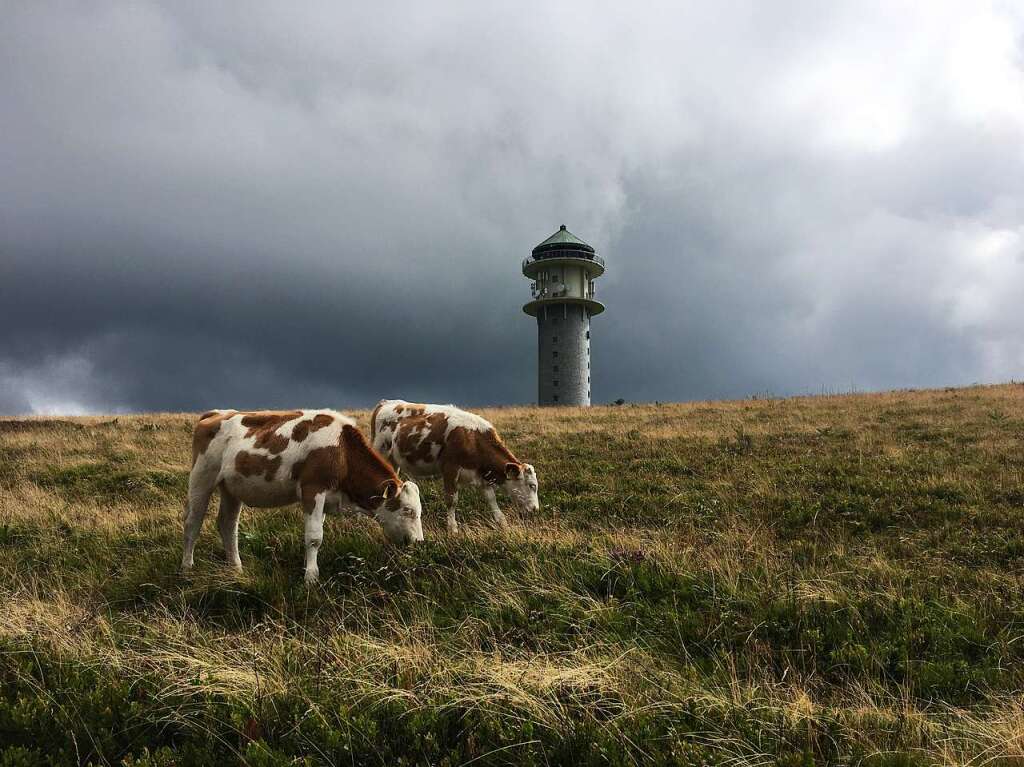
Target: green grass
{"x": 832, "y": 580}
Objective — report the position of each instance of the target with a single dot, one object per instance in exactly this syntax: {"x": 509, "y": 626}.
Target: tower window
{"x": 554, "y": 354}
{"x": 588, "y": 335}
{"x": 554, "y": 339}
{"x": 556, "y": 382}
{"x": 554, "y": 368}
{"x": 555, "y": 398}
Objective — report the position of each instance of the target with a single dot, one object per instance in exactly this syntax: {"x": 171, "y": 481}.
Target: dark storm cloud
{"x": 242, "y": 206}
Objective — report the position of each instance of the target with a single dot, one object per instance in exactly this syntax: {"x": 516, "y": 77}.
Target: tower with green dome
{"x": 562, "y": 270}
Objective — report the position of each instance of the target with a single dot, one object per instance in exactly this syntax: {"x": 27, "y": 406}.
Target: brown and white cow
{"x": 428, "y": 440}
{"x": 315, "y": 457}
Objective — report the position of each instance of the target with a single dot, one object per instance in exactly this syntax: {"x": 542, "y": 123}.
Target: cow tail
{"x": 373, "y": 421}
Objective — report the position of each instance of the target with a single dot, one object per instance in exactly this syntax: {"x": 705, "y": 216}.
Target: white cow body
{"x": 317, "y": 458}
{"x": 463, "y": 448}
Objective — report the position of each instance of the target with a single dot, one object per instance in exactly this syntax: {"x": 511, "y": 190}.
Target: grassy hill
{"x": 803, "y": 581}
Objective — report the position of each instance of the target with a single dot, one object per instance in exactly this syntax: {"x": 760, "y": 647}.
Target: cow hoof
{"x": 453, "y": 528}
{"x": 312, "y": 577}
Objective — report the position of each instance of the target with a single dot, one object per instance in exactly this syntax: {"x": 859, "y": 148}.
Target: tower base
{"x": 563, "y": 362}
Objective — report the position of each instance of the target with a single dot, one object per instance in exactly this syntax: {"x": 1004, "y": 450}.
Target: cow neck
{"x": 492, "y": 464}
{"x": 366, "y": 471}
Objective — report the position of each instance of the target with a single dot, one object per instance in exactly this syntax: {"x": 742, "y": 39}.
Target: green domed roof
{"x": 563, "y": 239}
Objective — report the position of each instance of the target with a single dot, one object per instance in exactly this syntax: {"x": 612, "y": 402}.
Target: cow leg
{"x": 227, "y": 523}
{"x": 314, "y": 536}
{"x": 492, "y": 504}
{"x": 451, "y": 495}
{"x": 198, "y": 502}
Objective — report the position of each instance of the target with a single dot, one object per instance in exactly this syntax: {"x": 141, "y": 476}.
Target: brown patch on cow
{"x": 410, "y": 409}
{"x": 479, "y": 451}
{"x": 206, "y": 430}
{"x": 301, "y": 430}
{"x": 419, "y": 434}
{"x": 366, "y": 472}
{"x": 304, "y": 427}
{"x": 260, "y": 418}
{"x": 320, "y": 470}
{"x": 373, "y": 422}
{"x": 202, "y": 436}
{"x": 251, "y": 464}
{"x": 264, "y": 425}
{"x": 272, "y": 443}
{"x": 351, "y": 466}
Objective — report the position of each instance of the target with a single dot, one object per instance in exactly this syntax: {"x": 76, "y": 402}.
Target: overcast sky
{"x": 245, "y": 204}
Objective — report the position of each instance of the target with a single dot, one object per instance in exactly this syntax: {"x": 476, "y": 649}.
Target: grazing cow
{"x": 316, "y": 457}
{"x": 427, "y": 440}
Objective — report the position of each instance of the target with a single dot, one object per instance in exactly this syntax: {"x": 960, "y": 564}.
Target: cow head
{"x": 399, "y": 512}
{"x": 521, "y": 483}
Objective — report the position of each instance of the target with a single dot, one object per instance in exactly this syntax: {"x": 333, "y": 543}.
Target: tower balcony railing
{"x": 564, "y": 254}
{"x": 545, "y": 293}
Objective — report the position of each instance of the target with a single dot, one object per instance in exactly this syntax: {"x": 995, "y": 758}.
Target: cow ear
{"x": 390, "y": 489}
{"x": 513, "y": 470}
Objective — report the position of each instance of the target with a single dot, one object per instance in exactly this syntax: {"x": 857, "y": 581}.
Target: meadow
{"x": 818, "y": 580}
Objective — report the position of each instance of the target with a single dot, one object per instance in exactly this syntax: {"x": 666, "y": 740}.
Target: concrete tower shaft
{"x": 563, "y": 269}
